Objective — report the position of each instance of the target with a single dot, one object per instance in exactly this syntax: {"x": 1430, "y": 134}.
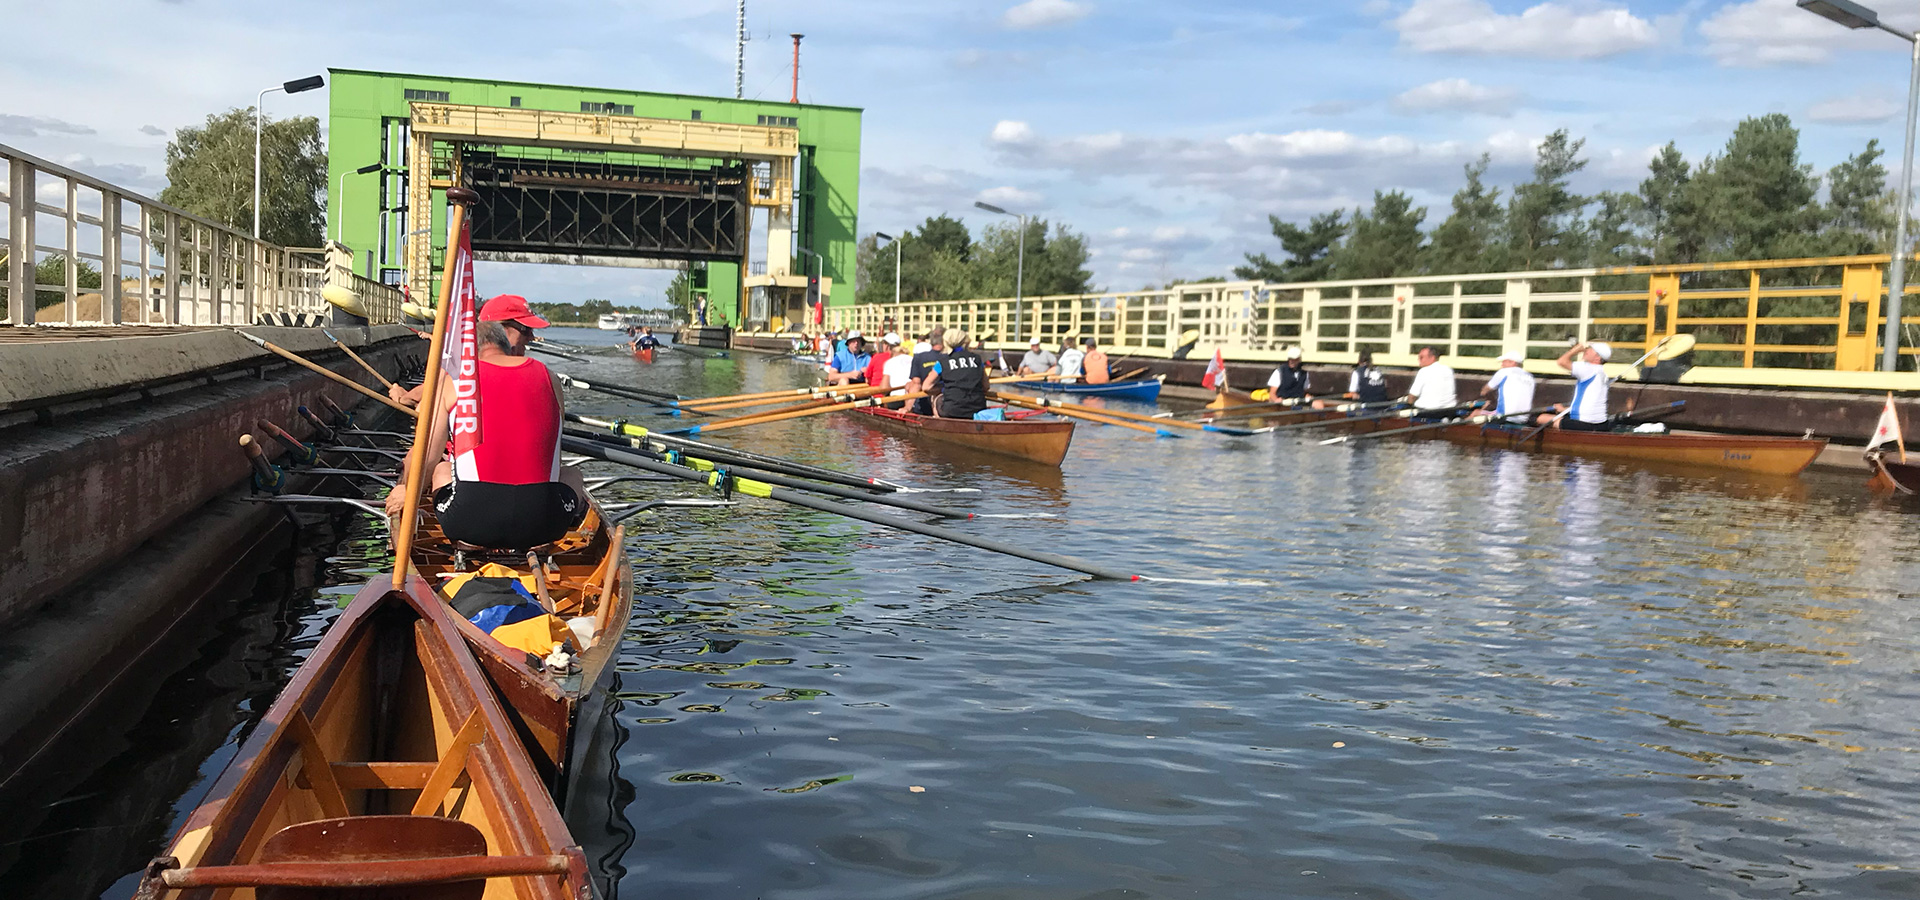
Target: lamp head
{"x": 1845, "y": 12}
{"x": 304, "y": 84}
{"x": 367, "y": 170}
{"x": 991, "y": 208}
{"x": 883, "y": 235}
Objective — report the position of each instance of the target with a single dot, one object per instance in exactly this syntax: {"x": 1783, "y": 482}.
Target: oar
{"x": 1133, "y": 374}
{"x": 849, "y": 390}
{"x": 1476, "y": 419}
{"x": 622, "y": 390}
{"x": 302, "y": 361}
{"x": 700, "y": 464}
{"x": 1212, "y": 412}
{"x": 1406, "y": 413}
{"x": 356, "y": 358}
{"x": 720, "y": 451}
{"x": 1063, "y": 405}
{"x": 537, "y": 348}
{"x": 1306, "y": 408}
{"x": 266, "y": 476}
{"x": 732, "y": 483}
{"x": 724, "y": 424}
{"x": 1016, "y": 400}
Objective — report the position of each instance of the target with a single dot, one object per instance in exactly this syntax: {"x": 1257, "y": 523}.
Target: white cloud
{"x": 1853, "y": 110}
{"x": 153, "y": 130}
{"x": 1009, "y": 131}
{"x": 1457, "y": 95}
{"x": 1776, "y": 32}
{"x": 1552, "y": 30}
{"x": 1045, "y": 14}
{"x": 38, "y": 126}
{"x": 1008, "y": 196}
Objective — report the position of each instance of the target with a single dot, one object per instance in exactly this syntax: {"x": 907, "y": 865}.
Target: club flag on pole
{"x": 1216, "y": 377}
{"x": 460, "y": 358}
{"x": 1888, "y": 429}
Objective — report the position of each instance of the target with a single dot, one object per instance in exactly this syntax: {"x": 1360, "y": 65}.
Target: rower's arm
{"x": 1566, "y": 359}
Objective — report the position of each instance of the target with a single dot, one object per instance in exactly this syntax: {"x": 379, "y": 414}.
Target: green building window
{"x": 427, "y": 96}
{"x": 780, "y": 121}
{"x": 513, "y": 102}
{"x": 606, "y": 109}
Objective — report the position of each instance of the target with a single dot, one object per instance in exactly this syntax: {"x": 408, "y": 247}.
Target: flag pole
{"x": 458, "y": 199}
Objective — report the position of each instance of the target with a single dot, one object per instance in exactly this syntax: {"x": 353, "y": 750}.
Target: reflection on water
{"x": 1464, "y": 673}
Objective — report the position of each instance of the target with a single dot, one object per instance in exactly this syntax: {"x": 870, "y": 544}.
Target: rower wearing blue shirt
{"x": 849, "y": 364}
{"x": 646, "y": 340}
{"x": 1512, "y": 387}
{"x": 1588, "y": 411}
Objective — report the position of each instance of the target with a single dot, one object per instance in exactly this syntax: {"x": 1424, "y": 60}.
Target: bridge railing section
{"x": 77, "y": 250}
{"x": 1810, "y": 315}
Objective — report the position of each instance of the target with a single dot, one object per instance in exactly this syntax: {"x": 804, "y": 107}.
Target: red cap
{"x": 510, "y": 308}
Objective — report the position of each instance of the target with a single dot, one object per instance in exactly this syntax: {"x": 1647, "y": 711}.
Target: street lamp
{"x": 339, "y": 219}
{"x": 1853, "y": 15}
{"x": 1019, "y": 266}
{"x": 292, "y": 87}
{"x": 896, "y": 263}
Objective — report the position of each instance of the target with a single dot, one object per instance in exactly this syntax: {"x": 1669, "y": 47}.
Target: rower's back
{"x": 506, "y": 491}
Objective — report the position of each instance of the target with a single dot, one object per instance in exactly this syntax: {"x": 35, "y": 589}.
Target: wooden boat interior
{"x": 379, "y": 766}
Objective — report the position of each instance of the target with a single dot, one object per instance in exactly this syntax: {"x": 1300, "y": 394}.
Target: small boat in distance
{"x": 1146, "y": 390}
{"x": 622, "y": 321}
{"x": 1891, "y": 475}
{"x": 1043, "y": 441}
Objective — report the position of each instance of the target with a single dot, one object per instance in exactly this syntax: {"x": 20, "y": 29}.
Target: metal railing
{"x": 121, "y": 258}
{"x": 1814, "y": 314}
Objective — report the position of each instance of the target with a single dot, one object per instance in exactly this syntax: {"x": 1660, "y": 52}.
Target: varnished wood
{"x": 1041, "y": 442}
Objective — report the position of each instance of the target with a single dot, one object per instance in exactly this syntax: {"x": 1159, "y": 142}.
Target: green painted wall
{"x": 364, "y": 106}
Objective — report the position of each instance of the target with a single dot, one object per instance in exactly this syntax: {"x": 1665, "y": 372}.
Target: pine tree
{"x": 1543, "y": 217}
{"x": 1385, "y": 242}
{"x": 1860, "y": 209}
{"x": 1471, "y": 239}
{"x": 1663, "y": 205}
{"x": 1309, "y": 250}
{"x": 1609, "y": 236}
{"x": 1756, "y": 199}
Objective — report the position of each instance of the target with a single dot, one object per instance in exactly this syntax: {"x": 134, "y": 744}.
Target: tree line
{"x": 941, "y": 260}
{"x": 1754, "y": 199}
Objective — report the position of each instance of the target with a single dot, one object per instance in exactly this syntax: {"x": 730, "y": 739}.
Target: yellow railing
{"x": 1810, "y": 318}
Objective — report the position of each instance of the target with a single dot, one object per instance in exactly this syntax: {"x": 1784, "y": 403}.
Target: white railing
{"x": 150, "y": 263}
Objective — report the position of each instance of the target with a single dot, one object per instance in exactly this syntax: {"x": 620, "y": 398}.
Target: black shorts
{"x": 508, "y": 516}
{"x": 1572, "y": 424}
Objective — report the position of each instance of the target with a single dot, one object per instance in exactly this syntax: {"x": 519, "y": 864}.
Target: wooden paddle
{"x": 1015, "y": 400}
{"x": 1061, "y": 405}
{"x": 849, "y": 390}
{"x": 723, "y": 424}
{"x": 1477, "y": 419}
{"x": 330, "y": 374}
{"x": 356, "y": 358}
{"x": 1133, "y": 374}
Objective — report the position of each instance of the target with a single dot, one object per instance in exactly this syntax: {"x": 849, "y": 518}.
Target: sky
{"x": 1167, "y": 133}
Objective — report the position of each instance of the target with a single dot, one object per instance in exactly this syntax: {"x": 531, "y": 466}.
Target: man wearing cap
{"x": 1095, "y": 367}
{"x": 924, "y": 366}
{"x": 876, "y": 367}
{"x": 1511, "y": 387}
{"x": 1588, "y": 411}
{"x": 897, "y": 373}
{"x": 1038, "y": 361}
{"x": 849, "y": 362}
{"x": 1288, "y": 384}
{"x": 1072, "y": 361}
{"x": 509, "y": 490}
{"x": 1433, "y": 386}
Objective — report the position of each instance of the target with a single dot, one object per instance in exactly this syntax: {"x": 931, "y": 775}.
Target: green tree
{"x": 1860, "y": 209}
{"x": 1309, "y": 250}
{"x": 680, "y": 295}
{"x": 53, "y": 271}
{"x": 1543, "y": 226}
{"x": 1385, "y": 241}
{"x": 1755, "y": 200}
{"x": 210, "y": 174}
{"x": 1055, "y": 261}
{"x": 1663, "y": 208}
{"x": 1610, "y": 237}
{"x": 1471, "y": 239}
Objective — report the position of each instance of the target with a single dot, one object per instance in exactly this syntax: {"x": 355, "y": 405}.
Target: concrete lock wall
{"x": 159, "y": 441}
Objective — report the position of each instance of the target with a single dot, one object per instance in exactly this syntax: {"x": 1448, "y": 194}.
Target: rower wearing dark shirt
{"x": 962, "y": 380}
{"x": 926, "y": 364}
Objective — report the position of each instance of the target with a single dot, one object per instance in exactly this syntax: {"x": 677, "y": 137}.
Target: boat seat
{"x": 426, "y": 841}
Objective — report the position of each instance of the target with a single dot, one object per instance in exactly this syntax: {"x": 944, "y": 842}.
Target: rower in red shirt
{"x": 509, "y": 492}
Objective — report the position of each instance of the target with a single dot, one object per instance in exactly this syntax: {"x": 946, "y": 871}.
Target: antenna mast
{"x": 740, "y": 51}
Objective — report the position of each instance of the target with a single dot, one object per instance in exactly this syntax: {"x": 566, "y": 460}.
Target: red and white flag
{"x": 1888, "y": 429}
{"x": 1216, "y": 377}
{"x": 460, "y": 358}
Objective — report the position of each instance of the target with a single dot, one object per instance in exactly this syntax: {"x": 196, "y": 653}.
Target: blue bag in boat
{"x": 991, "y": 414}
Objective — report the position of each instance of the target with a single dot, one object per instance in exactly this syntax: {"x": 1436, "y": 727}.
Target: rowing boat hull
{"x": 1733, "y": 452}
{"x": 1893, "y": 477}
{"x": 546, "y": 708}
{"x": 1041, "y": 442}
{"x": 390, "y": 713}
{"x": 1144, "y": 389}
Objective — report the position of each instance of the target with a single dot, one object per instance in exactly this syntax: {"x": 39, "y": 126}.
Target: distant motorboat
{"x": 620, "y": 321}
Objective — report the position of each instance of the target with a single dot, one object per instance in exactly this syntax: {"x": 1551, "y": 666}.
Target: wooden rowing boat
{"x": 1759, "y": 455}
{"x": 1892, "y": 476}
{"x": 385, "y": 768}
{"x": 1143, "y": 389}
{"x": 589, "y": 577}
{"x": 1043, "y": 441}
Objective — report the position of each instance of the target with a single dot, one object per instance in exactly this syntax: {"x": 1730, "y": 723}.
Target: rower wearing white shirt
{"x": 1071, "y": 360}
{"x": 1433, "y": 385}
{"x": 1588, "y": 411}
{"x": 1512, "y": 387}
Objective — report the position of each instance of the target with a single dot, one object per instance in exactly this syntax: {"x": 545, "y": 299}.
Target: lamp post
{"x": 339, "y": 220}
{"x": 1853, "y": 15}
{"x": 1019, "y": 267}
{"x": 896, "y": 263}
{"x": 292, "y": 87}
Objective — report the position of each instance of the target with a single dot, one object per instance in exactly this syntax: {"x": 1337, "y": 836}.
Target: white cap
{"x": 1603, "y": 348}
{"x": 1293, "y": 352}
{"x": 921, "y": 346}
{"x": 1514, "y": 358}
{"x": 856, "y": 335}
{"x": 891, "y": 337}
{"x": 1034, "y": 342}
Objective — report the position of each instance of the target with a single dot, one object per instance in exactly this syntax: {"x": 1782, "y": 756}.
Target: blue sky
{"x": 1164, "y": 132}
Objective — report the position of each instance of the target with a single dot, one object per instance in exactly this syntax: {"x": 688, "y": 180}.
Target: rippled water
{"x": 1432, "y": 671}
